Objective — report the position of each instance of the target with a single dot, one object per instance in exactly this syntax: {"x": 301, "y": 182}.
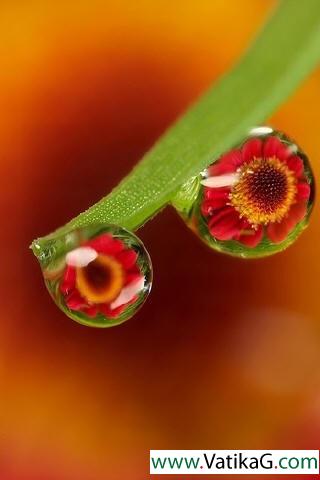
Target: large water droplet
{"x": 98, "y": 275}
{"x": 254, "y": 200}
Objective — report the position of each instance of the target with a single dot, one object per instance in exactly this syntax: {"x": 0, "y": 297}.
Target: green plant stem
{"x": 285, "y": 52}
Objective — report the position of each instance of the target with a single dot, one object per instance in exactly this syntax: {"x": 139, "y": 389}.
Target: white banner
{"x": 241, "y": 462}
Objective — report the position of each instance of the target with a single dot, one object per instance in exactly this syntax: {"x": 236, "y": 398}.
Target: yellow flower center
{"x": 265, "y": 191}
{"x": 101, "y": 280}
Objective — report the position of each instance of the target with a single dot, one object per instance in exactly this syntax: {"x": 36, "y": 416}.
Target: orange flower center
{"x": 265, "y": 191}
{"x": 101, "y": 280}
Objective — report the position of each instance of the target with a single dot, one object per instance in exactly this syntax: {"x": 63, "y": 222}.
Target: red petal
{"x": 100, "y": 243}
{"x": 270, "y": 147}
{"x": 127, "y": 258}
{"x": 91, "y": 311}
{"x": 106, "y": 244}
{"x": 277, "y": 232}
{"x": 69, "y": 280}
{"x": 303, "y": 191}
{"x": 227, "y": 163}
{"x": 113, "y": 313}
{"x": 297, "y": 213}
{"x": 273, "y": 147}
{"x": 106, "y": 310}
{"x": 295, "y": 164}
{"x": 253, "y": 238}
{"x": 134, "y": 269}
{"x": 213, "y": 193}
{"x": 225, "y": 224}
{"x": 283, "y": 152}
{"x": 214, "y": 198}
{"x": 132, "y": 301}
{"x": 75, "y": 301}
{"x": 132, "y": 277}
{"x": 207, "y": 207}
{"x": 252, "y": 149}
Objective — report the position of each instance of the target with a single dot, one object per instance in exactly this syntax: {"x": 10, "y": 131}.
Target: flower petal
{"x": 214, "y": 193}
{"x": 270, "y": 147}
{"x": 116, "y": 312}
{"x": 303, "y": 191}
{"x": 76, "y": 302}
{"x": 225, "y": 224}
{"x": 127, "y": 258}
{"x": 91, "y": 311}
{"x": 106, "y": 244}
{"x": 297, "y": 213}
{"x": 81, "y": 257}
{"x": 251, "y": 237}
{"x": 273, "y": 147}
{"x": 283, "y": 152}
{"x": 278, "y": 232}
{"x": 252, "y": 149}
{"x": 214, "y": 198}
{"x": 68, "y": 281}
{"x": 227, "y": 163}
{"x": 132, "y": 275}
{"x": 207, "y": 207}
{"x": 106, "y": 310}
{"x": 219, "y": 181}
{"x": 295, "y": 164}
{"x": 128, "y": 293}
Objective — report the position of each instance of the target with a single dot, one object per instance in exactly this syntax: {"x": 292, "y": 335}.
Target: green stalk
{"x": 284, "y": 53}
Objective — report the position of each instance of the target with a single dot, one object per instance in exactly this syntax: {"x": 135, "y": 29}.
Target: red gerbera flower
{"x": 256, "y": 190}
{"x": 101, "y": 276}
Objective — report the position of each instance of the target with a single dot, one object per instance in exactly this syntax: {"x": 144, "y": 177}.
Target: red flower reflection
{"x": 101, "y": 276}
{"x": 260, "y": 188}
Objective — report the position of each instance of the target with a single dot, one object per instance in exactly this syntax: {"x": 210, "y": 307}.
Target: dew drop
{"x": 253, "y": 200}
{"x": 99, "y": 275}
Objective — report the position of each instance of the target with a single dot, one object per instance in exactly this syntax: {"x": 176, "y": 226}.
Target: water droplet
{"x": 254, "y": 200}
{"x": 98, "y": 275}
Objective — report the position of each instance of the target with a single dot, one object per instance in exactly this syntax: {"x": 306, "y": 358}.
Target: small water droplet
{"x": 254, "y": 200}
{"x": 99, "y": 275}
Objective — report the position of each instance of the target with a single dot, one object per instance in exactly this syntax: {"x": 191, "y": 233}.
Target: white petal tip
{"x": 220, "y": 180}
{"x": 128, "y": 293}
{"x": 81, "y": 257}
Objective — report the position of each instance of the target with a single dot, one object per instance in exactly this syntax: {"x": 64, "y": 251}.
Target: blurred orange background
{"x": 225, "y": 354}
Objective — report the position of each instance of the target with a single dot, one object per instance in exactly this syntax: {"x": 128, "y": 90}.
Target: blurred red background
{"x": 225, "y": 354}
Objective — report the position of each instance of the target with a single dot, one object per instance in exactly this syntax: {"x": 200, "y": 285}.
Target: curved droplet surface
{"x": 254, "y": 200}
{"x": 100, "y": 275}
